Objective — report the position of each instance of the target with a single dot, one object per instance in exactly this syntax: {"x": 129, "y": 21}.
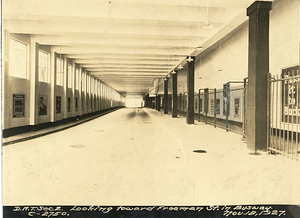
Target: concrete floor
{"x": 136, "y": 156}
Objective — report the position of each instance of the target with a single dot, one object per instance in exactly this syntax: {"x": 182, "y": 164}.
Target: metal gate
{"x": 224, "y": 108}
{"x": 284, "y": 113}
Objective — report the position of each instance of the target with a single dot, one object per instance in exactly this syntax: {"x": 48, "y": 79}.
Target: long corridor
{"x": 138, "y": 156}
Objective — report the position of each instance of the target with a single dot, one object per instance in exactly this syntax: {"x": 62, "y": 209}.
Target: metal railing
{"x": 284, "y": 114}
{"x": 224, "y": 108}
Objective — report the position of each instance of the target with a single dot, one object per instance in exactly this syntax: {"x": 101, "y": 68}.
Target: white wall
{"x": 231, "y": 56}
{"x": 284, "y": 52}
{"x": 284, "y": 35}
{"x": 134, "y": 102}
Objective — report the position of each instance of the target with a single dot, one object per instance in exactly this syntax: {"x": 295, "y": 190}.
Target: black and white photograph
{"x": 150, "y": 108}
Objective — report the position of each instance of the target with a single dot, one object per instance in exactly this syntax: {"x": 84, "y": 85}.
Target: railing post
{"x": 206, "y": 103}
{"x": 215, "y": 104}
{"x": 226, "y": 96}
{"x": 166, "y": 106}
{"x": 158, "y": 104}
{"x": 269, "y": 110}
{"x": 244, "y": 108}
{"x": 199, "y": 105}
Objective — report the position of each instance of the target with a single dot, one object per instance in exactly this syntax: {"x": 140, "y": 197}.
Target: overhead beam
{"x": 117, "y": 50}
{"x": 115, "y": 39}
{"x": 112, "y": 68}
{"x": 107, "y": 9}
{"x": 129, "y": 76}
{"x": 148, "y": 79}
{"x": 109, "y": 27}
{"x": 190, "y": 3}
{"x": 140, "y": 69}
{"x": 130, "y": 81}
{"x": 120, "y": 65}
{"x": 135, "y": 57}
{"x": 129, "y": 73}
{"x": 138, "y": 63}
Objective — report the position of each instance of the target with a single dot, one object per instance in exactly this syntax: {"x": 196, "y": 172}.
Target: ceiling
{"x": 125, "y": 43}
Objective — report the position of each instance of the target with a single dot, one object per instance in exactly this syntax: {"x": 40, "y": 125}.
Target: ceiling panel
{"x": 125, "y": 43}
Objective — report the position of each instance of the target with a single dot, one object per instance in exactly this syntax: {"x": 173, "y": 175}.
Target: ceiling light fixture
{"x": 199, "y": 48}
{"x": 190, "y": 59}
{"x": 207, "y": 25}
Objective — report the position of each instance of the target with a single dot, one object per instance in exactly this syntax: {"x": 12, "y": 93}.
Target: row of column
{"x": 258, "y": 70}
{"x": 47, "y": 101}
{"x": 190, "y": 93}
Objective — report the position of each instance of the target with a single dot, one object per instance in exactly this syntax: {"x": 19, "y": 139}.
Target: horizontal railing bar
{"x": 283, "y": 153}
{"x": 217, "y": 125}
{"x": 284, "y": 79}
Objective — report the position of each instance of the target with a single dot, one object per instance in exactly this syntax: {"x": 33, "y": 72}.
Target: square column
{"x": 190, "y": 90}
{"x": 158, "y": 102}
{"x": 6, "y": 109}
{"x": 258, "y": 70}
{"x": 73, "y": 89}
{"x": 34, "y": 72}
{"x": 80, "y": 91}
{"x": 84, "y": 78}
{"x": 180, "y": 100}
{"x": 148, "y": 101}
{"x": 53, "y": 74}
{"x": 101, "y": 96}
{"x": 174, "y": 94}
{"x": 166, "y": 96}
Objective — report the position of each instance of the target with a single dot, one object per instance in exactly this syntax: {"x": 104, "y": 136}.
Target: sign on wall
{"x": 212, "y": 106}
{"x": 290, "y": 95}
{"x": 87, "y": 103}
{"x": 236, "y": 107}
{"x": 58, "y": 104}
{"x": 217, "y": 108}
{"x": 43, "y": 99}
{"x": 82, "y": 104}
{"x": 18, "y": 105}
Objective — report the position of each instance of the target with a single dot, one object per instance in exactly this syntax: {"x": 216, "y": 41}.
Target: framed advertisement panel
{"x": 18, "y": 105}
{"x": 58, "y": 104}
{"x": 43, "y": 101}
{"x": 290, "y": 95}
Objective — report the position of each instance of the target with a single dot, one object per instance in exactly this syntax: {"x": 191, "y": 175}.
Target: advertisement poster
{"x": 18, "y": 105}
{"x": 43, "y": 101}
{"x": 290, "y": 95}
